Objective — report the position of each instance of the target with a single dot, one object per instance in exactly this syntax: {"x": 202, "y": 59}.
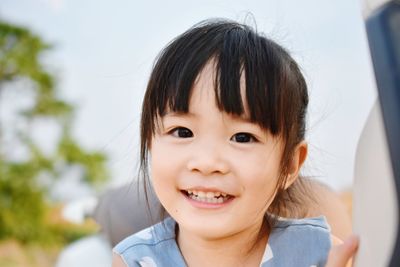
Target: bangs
{"x": 236, "y": 52}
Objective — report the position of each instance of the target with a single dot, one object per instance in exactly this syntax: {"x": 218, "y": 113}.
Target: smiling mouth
{"x": 207, "y": 197}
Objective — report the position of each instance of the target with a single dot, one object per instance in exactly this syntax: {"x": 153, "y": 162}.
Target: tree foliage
{"x": 23, "y": 198}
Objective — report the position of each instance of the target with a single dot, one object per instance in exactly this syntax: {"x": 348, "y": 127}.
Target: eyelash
{"x": 248, "y": 137}
{"x": 182, "y": 132}
{"x": 176, "y": 132}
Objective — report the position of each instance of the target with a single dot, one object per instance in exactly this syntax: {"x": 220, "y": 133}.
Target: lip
{"x": 207, "y": 205}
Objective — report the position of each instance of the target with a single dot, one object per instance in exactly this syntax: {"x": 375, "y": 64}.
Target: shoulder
{"x": 306, "y": 224}
{"x": 146, "y": 245}
{"x": 300, "y": 242}
{"x": 150, "y": 236}
{"x": 309, "y": 230}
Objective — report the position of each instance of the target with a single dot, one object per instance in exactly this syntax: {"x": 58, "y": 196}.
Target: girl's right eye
{"x": 181, "y": 132}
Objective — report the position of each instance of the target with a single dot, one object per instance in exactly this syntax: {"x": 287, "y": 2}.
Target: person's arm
{"x": 342, "y": 252}
{"x": 117, "y": 261}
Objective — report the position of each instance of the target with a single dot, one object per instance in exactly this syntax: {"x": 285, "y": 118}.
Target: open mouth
{"x": 207, "y": 197}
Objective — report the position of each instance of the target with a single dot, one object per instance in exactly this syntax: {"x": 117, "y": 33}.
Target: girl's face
{"x": 214, "y": 173}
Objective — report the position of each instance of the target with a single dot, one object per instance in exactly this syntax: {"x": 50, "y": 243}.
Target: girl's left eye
{"x": 243, "y": 138}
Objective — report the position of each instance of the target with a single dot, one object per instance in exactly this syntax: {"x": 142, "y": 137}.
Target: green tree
{"x": 22, "y": 194}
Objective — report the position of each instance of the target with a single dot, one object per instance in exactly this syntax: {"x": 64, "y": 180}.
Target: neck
{"x": 239, "y": 249}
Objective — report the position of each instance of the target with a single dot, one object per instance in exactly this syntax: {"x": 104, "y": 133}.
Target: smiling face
{"x": 214, "y": 173}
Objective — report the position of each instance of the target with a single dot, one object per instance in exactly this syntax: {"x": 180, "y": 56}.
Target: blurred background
{"x": 72, "y": 77}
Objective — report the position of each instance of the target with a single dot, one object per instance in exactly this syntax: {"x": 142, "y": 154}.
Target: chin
{"x": 208, "y": 230}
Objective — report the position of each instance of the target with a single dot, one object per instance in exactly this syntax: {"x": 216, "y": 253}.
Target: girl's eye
{"x": 181, "y": 132}
{"x": 243, "y": 138}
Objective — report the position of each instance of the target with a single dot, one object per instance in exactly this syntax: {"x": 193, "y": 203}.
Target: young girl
{"x": 223, "y": 125}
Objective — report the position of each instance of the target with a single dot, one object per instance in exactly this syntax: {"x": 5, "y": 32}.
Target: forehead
{"x": 207, "y": 86}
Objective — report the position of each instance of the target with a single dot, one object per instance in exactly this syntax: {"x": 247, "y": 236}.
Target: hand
{"x": 340, "y": 255}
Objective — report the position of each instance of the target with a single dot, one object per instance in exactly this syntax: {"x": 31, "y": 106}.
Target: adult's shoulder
{"x": 329, "y": 204}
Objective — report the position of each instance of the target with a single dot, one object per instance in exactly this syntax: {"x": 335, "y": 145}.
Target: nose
{"x": 208, "y": 159}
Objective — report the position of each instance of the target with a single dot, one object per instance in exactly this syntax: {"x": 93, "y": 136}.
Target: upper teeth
{"x": 208, "y": 194}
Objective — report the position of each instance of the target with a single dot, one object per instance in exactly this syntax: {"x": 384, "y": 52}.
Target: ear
{"x": 298, "y": 159}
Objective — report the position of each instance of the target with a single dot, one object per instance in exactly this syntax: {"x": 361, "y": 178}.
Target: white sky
{"x": 104, "y": 50}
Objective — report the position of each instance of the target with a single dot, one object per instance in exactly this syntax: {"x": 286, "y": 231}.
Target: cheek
{"x": 259, "y": 173}
{"x": 164, "y": 164}
{"x": 158, "y": 154}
